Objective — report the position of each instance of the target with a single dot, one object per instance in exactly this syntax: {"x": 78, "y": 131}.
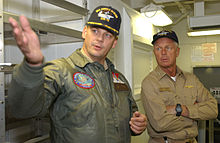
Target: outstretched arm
{"x": 26, "y": 90}
{"x": 27, "y": 41}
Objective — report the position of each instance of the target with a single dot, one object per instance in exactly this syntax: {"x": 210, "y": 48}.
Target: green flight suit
{"x": 86, "y": 103}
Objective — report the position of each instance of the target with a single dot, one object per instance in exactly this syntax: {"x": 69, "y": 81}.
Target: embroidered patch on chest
{"x": 83, "y": 80}
{"x": 116, "y": 78}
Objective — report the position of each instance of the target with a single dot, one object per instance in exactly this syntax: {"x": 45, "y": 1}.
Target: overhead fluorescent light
{"x": 156, "y": 15}
{"x": 158, "y": 18}
{"x": 203, "y": 33}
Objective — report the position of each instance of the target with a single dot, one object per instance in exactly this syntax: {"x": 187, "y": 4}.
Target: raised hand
{"x": 27, "y": 41}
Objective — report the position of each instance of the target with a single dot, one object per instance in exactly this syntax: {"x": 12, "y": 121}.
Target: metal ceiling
{"x": 178, "y": 9}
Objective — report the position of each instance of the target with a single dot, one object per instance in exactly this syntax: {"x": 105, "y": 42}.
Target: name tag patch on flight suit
{"x": 118, "y": 84}
{"x": 83, "y": 80}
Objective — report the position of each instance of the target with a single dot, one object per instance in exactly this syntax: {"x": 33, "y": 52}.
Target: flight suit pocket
{"x": 69, "y": 114}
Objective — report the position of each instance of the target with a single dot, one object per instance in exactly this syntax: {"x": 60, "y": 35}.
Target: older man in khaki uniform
{"x": 174, "y": 100}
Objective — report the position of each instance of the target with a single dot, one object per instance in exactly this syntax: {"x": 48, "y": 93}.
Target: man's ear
{"x": 177, "y": 51}
{"x": 84, "y": 32}
{"x": 115, "y": 43}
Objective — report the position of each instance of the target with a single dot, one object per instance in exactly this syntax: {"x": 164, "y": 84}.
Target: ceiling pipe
{"x": 183, "y": 10}
{"x": 185, "y": 2}
{"x": 181, "y": 7}
{"x": 199, "y": 8}
{"x": 181, "y": 17}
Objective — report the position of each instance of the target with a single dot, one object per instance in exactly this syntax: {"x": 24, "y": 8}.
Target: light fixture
{"x": 156, "y": 15}
{"x": 203, "y": 33}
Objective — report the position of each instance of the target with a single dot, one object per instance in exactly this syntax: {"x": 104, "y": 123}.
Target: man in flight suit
{"x": 87, "y": 99}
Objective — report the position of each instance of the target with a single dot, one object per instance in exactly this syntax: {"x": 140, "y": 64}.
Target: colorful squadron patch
{"x": 83, "y": 80}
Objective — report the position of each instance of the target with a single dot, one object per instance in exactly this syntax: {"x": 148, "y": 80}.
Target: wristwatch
{"x": 178, "y": 109}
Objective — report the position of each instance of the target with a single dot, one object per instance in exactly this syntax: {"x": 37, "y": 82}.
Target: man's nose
{"x": 164, "y": 51}
{"x": 100, "y": 37}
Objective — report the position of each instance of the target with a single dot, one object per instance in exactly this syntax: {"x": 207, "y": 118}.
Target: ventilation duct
{"x": 204, "y": 22}
{"x": 165, "y": 1}
{"x": 200, "y": 21}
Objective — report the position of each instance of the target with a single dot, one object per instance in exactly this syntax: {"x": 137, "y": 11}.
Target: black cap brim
{"x": 164, "y": 37}
{"x": 103, "y": 27}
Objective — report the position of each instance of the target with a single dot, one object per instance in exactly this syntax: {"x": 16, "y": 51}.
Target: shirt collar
{"x": 91, "y": 61}
{"x": 161, "y": 73}
{"x": 84, "y": 54}
{"x": 80, "y": 59}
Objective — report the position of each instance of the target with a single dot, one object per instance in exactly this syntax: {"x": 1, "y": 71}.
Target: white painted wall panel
{"x": 19, "y": 7}
{"x": 187, "y": 43}
{"x": 142, "y": 66}
{"x": 13, "y": 54}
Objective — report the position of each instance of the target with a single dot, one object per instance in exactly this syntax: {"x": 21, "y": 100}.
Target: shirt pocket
{"x": 189, "y": 95}
{"x": 167, "y": 96}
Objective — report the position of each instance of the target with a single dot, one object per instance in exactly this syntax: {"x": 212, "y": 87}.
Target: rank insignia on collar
{"x": 83, "y": 80}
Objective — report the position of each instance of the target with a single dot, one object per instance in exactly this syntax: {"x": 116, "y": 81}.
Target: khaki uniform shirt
{"x": 159, "y": 90}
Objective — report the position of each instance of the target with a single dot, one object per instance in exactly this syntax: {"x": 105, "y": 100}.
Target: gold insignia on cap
{"x": 106, "y": 14}
{"x": 164, "y": 32}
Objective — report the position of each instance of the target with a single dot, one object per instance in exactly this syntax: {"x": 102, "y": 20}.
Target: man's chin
{"x": 165, "y": 66}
